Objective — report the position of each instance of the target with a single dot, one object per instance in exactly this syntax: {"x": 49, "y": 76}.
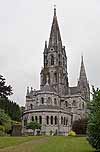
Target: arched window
{"x": 32, "y": 118}
{"x": 55, "y": 101}
{"x": 80, "y": 105}
{"x": 83, "y": 105}
{"x": 51, "y": 120}
{"x": 52, "y": 60}
{"x": 40, "y": 119}
{"x": 56, "y": 120}
{"x": 49, "y": 100}
{"x": 63, "y": 61}
{"x": 64, "y": 121}
{"x": 74, "y": 103}
{"x": 61, "y": 120}
{"x": 25, "y": 122}
{"x": 36, "y": 119}
{"x": 31, "y": 106}
{"x": 59, "y": 59}
{"x": 55, "y": 77}
{"x": 66, "y": 103}
{"x": 42, "y": 100}
{"x": 47, "y": 120}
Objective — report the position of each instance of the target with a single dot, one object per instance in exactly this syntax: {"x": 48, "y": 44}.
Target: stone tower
{"x": 55, "y": 61}
{"x": 83, "y": 84}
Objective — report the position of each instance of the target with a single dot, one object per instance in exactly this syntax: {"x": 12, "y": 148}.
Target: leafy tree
{"x": 5, "y": 90}
{"x": 94, "y": 120}
{"x": 80, "y": 126}
{"x": 10, "y": 108}
{"x": 33, "y": 125}
{"x": 5, "y": 121}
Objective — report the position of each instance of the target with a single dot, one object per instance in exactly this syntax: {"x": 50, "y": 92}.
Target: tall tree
{"x": 94, "y": 120}
{"x": 10, "y": 108}
{"x": 5, "y": 121}
{"x": 5, "y": 90}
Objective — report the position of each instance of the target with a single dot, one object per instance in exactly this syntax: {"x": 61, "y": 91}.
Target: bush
{"x": 72, "y": 133}
{"x": 80, "y": 126}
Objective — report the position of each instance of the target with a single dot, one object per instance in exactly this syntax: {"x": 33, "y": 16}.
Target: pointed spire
{"x": 82, "y": 78}
{"x": 54, "y": 10}
{"x": 55, "y": 38}
{"x": 27, "y": 91}
{"x": 82, "y": 70}
{"x": 45, "y": 44}
{"x": 83, "y": 82}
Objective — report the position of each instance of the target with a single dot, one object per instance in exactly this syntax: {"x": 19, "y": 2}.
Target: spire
{"x": 55, "y": 38}
{"x": 27, "y": 91}
{"x": 54, "y": 10}
{"x": 83, "y": 83}
{"x": 45, "y": 44}
{"x": 82, "y": 70}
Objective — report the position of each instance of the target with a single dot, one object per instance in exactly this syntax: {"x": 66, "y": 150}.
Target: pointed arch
{"x": 56, "y": 120}
{"x": 40, "y": 119}
{"x": 47, "y": 119}
{"x": 52, "y": 59}
{"x": 55, "y": 77}
{"x": 51, "y": 120}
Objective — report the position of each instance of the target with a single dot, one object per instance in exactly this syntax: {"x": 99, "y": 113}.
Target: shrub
{"x": 72, "y": 133}
{"x": 80, "y": 126}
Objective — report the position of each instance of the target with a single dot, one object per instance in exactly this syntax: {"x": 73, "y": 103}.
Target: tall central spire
{"x": 55, "y": 38}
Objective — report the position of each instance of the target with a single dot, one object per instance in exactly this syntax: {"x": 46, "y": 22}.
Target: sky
{"x": 26, "y": 24}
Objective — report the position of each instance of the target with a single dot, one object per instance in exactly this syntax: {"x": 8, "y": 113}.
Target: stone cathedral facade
{"x": 56, "y": 105}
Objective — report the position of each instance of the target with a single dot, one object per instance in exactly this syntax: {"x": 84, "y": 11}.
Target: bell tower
{"x": 55, "y": 60}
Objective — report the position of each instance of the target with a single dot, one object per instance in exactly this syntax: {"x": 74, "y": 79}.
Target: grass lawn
{"x": 45, "y": 144}
{"x": 11, "y": 141}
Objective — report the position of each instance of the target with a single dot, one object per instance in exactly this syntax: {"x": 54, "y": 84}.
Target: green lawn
{"x": 44, "y": 144}
{"x": 11, "y": 141}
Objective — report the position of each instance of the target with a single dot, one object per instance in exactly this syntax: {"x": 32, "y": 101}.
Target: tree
{"x": 94, "y": 120}
{"x": 5, "y": 90}
{"x": 33, "y": 125}
{"x": 80, "y": 126}
{"x": 5, "y": 121}
{"x": 10, "y": 108}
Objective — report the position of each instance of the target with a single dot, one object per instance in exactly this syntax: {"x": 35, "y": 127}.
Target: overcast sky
{"x": 26, "y": 24}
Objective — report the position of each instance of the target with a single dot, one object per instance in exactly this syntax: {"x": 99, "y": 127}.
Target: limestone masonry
{"x": 56, "y": 105}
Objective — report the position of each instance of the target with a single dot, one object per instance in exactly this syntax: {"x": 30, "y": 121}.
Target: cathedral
{"x": 56, "y": 105}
